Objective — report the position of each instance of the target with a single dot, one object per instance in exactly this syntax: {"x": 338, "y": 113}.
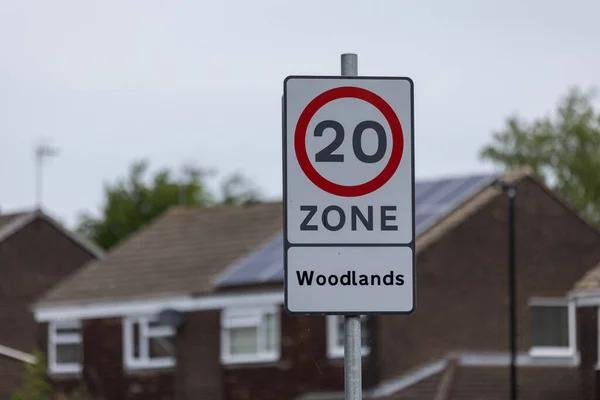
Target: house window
{"x": 65, "y": 347}
{"x": 552, "y": 323}
{"x": 335, "y": 336}
{"x": 250, "y": 335}
{"x": 148, "y": 344}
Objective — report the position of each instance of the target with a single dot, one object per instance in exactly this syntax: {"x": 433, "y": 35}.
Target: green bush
{"x": 37, "y": 386}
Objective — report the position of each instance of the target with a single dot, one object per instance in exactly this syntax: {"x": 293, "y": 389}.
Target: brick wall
{"x": 104, "y": 373}
{"x": 12, "y": 373}
{"x": 199, "y": 374}
{"x": 462, "y": 301}
{"x": 303, "y": 367}
{"x": 32, "y": 261}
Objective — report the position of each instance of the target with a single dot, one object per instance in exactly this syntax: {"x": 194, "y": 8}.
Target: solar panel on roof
{"x": 423, "y": 188}
{"x": 433, "y": 201}
{"x": 259, "y": 267}
{"x": 423, "y": 219}
{"x": 447, "y": 195}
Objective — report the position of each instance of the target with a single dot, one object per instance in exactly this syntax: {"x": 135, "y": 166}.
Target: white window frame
{"x": 333, "y": 349}
{"x": 143, "y": 361}
{"x": 250, "y": 317}
{"x": 548, "y": 351}
{"x": 598, "y": 338}
{"x": 55, "y": 338}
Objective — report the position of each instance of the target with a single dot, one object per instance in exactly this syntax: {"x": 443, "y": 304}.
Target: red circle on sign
{"x": 300, "y": 142}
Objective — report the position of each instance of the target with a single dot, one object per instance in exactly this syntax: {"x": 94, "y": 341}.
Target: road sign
{"x": 348, "y": 195}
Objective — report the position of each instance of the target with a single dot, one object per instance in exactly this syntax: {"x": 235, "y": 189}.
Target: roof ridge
{"x": 82, "y": 241}
{"x": 452, "y": 176}
{"x": 17, "y": 213}
{"x": 16, "y": 223}
{"x": 181, "y": 208}
{"x": 21, "y": 220}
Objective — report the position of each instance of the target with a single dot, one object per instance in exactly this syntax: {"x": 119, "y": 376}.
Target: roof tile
{"x": 181, "y": 252}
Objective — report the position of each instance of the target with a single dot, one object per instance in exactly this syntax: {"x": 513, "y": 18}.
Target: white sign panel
{"x": 348, "y": 195}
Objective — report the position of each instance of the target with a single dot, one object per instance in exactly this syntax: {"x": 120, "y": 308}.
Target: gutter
{"x": 183, "y": 303}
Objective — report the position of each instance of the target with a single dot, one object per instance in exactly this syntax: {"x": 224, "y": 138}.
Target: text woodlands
{"x": 349, "y": 279}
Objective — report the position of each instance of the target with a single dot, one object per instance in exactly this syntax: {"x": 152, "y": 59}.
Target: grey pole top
{"x": 349, "y": 64}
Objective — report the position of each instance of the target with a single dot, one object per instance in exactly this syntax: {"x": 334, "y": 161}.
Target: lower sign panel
{"x": 350, "y": 280}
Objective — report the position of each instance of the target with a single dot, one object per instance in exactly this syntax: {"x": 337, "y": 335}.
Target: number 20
{"x": 326, "y": 154}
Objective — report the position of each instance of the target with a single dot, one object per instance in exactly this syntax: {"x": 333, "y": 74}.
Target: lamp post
{"x": 510, "y": 190}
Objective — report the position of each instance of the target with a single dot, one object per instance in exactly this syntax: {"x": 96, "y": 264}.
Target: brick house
{"x": 586, "y": 295}
{"x": 35, "y": 253}
{"x": 191, "y": 307}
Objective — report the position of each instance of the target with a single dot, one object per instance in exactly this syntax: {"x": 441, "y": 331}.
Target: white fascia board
{"x": 152, "y": 306}
{"x": 17, "y": 354}
{"x": 388, "y": 388}
{"x": 16, "y": 225}
{"x": 585, "y": 297}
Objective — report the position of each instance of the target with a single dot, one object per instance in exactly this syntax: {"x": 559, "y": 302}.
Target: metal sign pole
{"x": 352, "y": 358}
{"x": 352, "y": 326}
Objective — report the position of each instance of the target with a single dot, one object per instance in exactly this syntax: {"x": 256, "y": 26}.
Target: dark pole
{"x": 511, "y": 192}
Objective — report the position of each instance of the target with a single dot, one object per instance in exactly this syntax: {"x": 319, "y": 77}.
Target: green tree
{"x": 37, "y": 387}
{"x": 133, "y": 202}
{"x": 563, "y": 150}
{"x": 238, "y": 189}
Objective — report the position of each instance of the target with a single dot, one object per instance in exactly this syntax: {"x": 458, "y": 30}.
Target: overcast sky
{"x": 112, "y": 81}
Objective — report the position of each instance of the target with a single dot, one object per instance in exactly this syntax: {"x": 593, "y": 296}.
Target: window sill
{"x": 250, "y": 359}
{"x": 339, "y": 353}
{"x": 65, "y": 370}
{"x": 551, "y": 352}
{"x": 150, "y": 365}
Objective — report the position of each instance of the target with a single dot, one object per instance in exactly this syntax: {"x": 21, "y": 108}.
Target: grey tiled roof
{"x": 181, "y": 252}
